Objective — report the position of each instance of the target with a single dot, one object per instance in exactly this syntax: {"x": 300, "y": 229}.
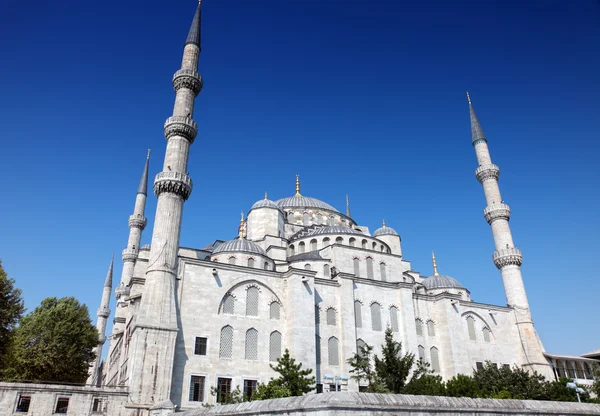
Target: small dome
{"x": 385, "y": 230}
{"x": 239, "y": 245}
{"x": 304, "y": 202}
{"x": 265, "y": 203}
{"x": 441, "y": 281}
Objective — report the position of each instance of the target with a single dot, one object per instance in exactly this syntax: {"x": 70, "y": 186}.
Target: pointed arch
{"x": 251, "y": 345}
{"x": 430, "y": 328}
{"x": 358, "y": 313}
{"x": 331, "y": 316}
{"x": 383, "y": 271}
{"x": 375, "y": 316}
{"x": 435, "y": 360}
{"x": 228, "y": 304}
{"x": 394, "y": 319}
{"x": 226, "y": 342}
{"x": 274, "y": 310}
{"x": 419, "y": 326}
{"x": 369, "y": 261}
{"x": 333, "y": 351}
{"x": 274, "y": 346}
{"x": 252, "y": 301}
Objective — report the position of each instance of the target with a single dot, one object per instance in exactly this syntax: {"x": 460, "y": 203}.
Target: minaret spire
{"x": 143, "y": 188}
{"x": 348, "y": 214}
{"x": 507, "y": 257}
{"x": 298, "y": 186}
{"x": 242, "y": 228}
{"x": 435, "y": 270}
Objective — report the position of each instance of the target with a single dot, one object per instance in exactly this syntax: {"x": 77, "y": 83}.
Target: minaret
{"x": 507, "y": 257}
{"x": 435, "y": 270}
{"x": 152, "y": 347}
{"x": 348, "y": 208}
{"x": 102, "y": 314}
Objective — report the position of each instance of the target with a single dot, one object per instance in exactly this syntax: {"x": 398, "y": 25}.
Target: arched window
{"x": 313, "y": 245}
{"x": 394, "y": 318}
{"x": 364, "y": 243}
{"x": 421, "y": 352}
{"x": 374, "y": 245}
{"x": 331, "y": 318}
{"x": 339, "y": 240}
{"x": 326, "y": 241}
{"x": 251, "y": 344}
{"x": 360, "y": 344}
{"x": 318, "y": 348}
{"x": 292, "y": 250}
{"x": 486, "y": 334}
{"x": 307, "y": 266}
{"x": 266, "y": 265}
{"x": 435, "y": 359}
{"x": 305, "y": 219}
{"x": 301, "y": 247}
{"x": 333, "y": 347}
{"x": 352, "y": 242}
{"x": 430, "y": 328}
{"x": 274, "y": 310}
{"x": 382, "y": 271}
{"x": 419, "y": 326}
{"x": 356, "y": 267}
{"x": 229, "y": 304}
{"x": 358, "y": 313}
{"x": 369, "y": 268}
{"x": 251, "y": 262}
{"x": 290, "y": 217}
{"x": 376, "y": 316}
{"x": 382, "y": 248}
{"x": 326, "y": 270}
{"x": 331, "y": 220}
{"x": 275, "y": 346}
{"x": 252, "y": 301}
{"x": 226, "y": 342}
{"x": 232, "y": 260}
{"x": 471, "y": 328}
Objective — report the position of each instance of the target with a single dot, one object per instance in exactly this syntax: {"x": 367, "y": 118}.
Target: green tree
{"x": 394, "y": 367}
{"x": 558, "y": 391}
{"x": 292, "y": 376}
{"x": 11, "y": 310}
{"x": 362, "y": 370}
{"x": 462, "y": 386}
{"x": 54, "y": 343}
{"x": 270, "y": 390}
{"x": 423, "y": 382}
{"x": 514, "y": 383}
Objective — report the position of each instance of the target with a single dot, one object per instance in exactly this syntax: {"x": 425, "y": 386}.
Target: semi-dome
{"x": 441, "y": 281}
{"x": 239, "y": 245}
{"x": 298, "y": 201}
{"x": 385, "y": 230}
{"x": 332, "y": 229}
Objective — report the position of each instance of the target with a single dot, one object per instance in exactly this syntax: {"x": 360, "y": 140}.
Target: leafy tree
{"x": 231, "y": 397}
{"x": 270, "y": 390}
{"x": 363, "y": 370}
{"x": 292, "y": 376}
{"x": 54, "y": 343}
{"x": 558, "y": 391}
{"x": 394, "y": 367}
{"x": 11, "y": 310}
{"x": 462, "y": 386}
{"x": 513, "y": 383}
{"x": 423, "y": 382}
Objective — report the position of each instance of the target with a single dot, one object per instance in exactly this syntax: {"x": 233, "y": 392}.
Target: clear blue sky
{"x": 358, "y": 97}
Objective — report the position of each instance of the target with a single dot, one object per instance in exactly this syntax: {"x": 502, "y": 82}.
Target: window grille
{"x": 251, "y": 344}
{"x": 435, "y": 360}
{"x": 331, "y": 316}
{"x": 421, "y": 352}
{"x": 360, "y": 344}
{"x": 98, "y": 405}
{"x": 394, "y": 319}
{"x": 251, "y": 262}
{"x": 301, "y": 247}
{"x": 62, "y": 405}
{"x": 274, "y": 310}
{"x": 358, "y": 313}
{"x": 226, "y": 344}
{"x": 376, "y": 316}
{"x": 313, "y": 245}
{"x": 356, "y": 267}
{"x": 326, "y": 270}
{"x": 318, "y": 348}
{"x": 333, "y": 351}
{"x": 200, "y": 346}
{"x": 471, "y": 328}
{"x": 275, "y": 346}
{"x": 249, "y": 389}
{"x": 352, "y": 242}
{"x": 486, "y": 335}
{"x": 252, "y": 301}
{"x": 223, "y": 389}
{"x": 382, "y": 271}
{"x": 479, "y": 365}
{"x": 229, "y": 304}
{"x": 369, "y": 268}
{"x": 23, "y": 403}
{"x": 419, "y": 326}
{"x": 232, "y": 260}
{"x": 307, "y": 266}
{"x": 197, "y": 389}
{"x": 430, "y": 328}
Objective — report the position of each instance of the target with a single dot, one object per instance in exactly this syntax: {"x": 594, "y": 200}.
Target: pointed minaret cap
{"x": 298, "y": 186}
{"x": 476, "y": 131}
{"x": 194, "y": 33}
{"x": 143, "y": 188}
{"x": 435, "y": 270}
{"x": 108, "y": 281}
{"x": 348, "y": 207}
{"x": 242, "y": 227}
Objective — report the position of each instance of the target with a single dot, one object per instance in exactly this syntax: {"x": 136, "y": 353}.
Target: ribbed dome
{"x": 304, "y": 202}
{"x": 265, "y": 203}
{"x": 441, "y": 282}
{"x": 332, "y": 229}
{"x": 385, "y": 230}
{"x": 239, "y": 245}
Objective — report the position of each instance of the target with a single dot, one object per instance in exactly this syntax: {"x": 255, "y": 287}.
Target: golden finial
{"x": 435, "y": 272}
{"x": 148, "y": 157}
{"x": 298, "y": 185}
{"x": 468, "y": 97}
{"x": 242, "y": 227}
{"x": 383, "y": 223}
{"x": 266, "y": 196}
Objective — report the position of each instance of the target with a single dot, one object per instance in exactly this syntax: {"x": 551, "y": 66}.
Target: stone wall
{"x": 346, "y": 404}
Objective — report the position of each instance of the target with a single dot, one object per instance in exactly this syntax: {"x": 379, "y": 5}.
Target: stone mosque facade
{"x": 301, "y": 275}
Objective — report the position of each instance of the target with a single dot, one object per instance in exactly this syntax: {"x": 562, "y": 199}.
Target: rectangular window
{"x": 197, "y": 389}
{"x": 23, "y": 403}
{"x": 98, "y": 405}
{"x": 223, "y": 389}
{"x": 249, "y": 388}
{"x": 479, "y": 365}
{"x": 319, "y": 387}
{"x": 62, "y": 405}
{"x": 332, "y": 387}
{"x": 362, "y": 389}
{"x": 200, "y": 346}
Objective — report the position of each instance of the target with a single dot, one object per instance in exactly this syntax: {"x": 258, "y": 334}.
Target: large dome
{"x": 441, "y": 281}
{"x": 303, "y": 202}
{"x": 239, "y": 245}
{"x": 385, "y": 230}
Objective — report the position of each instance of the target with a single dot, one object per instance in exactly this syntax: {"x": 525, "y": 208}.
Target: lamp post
{"x": 577, "y": 390}
{"x": 336, "y": 379}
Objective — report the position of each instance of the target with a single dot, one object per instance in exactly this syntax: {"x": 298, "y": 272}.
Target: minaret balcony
{"x": 129, "y": 254}
{"x": 103, "y": 312}
{"x": 507, "y": 257}
{"x": 487, "y": 172}
{"x": 137, "y": 221}
{"x": 187, "y": 78}
{"x": 495, "y": 212}
{"x": 181, "y": 126}
{"x": 173, "y": 182}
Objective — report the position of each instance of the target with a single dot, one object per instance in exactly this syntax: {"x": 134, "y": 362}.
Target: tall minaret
{"x": 507, "y": 257}
{"x": 102, "y": 314}
{"x": 152, "y": 347}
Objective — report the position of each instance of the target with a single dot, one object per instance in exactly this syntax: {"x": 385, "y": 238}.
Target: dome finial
{"x": 266, "y": 196}
{"x": 298, "y": 185}
{"x": 242, "y": 227}
{"x": 383, "y": 223}
{"x": 468, "y": 97}
{"x": 435, "y": 271}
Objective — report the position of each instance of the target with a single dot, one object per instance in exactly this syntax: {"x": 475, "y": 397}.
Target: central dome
{"x": 304, "y": 202}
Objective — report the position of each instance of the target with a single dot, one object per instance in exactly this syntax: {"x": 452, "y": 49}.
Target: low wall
{"x": 352, "y": 404}
{"x": 44, "y": 397}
